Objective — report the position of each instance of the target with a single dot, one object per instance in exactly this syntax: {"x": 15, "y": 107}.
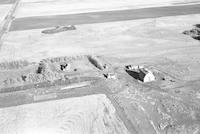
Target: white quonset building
{"x": 146, "y": 75}
{"x": 141, "y": 73}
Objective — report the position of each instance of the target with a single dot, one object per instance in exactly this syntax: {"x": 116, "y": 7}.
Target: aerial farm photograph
{"x": 99, "y": 66}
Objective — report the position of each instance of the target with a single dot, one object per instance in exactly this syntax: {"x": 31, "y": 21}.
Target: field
{"x": 55, "y": 7}
{"x": 89, "y": 114}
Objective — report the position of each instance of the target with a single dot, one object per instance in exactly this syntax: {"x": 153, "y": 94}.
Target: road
{"x": 8, "y": 18}
{"x": 38, "y": 22}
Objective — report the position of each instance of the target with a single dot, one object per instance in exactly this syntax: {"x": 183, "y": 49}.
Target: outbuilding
{"x": 146, "y": 75}
{"x": 140, "y": 73}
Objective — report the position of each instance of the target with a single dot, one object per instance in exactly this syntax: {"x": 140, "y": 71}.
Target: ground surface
{"x": 38, "y": 7}
{"x": 4, "y": 11}
{"x": 101, "y": 17}
{"x": 90, "y": 114}
{"x": 75, "y": 81}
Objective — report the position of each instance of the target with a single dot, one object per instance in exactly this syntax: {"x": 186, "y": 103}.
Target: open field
{"x": 89, "y": 114}
{"x": 56, "y": 7}
{"x": 93, "y": 38}
{"x": 101, "y": 17}
{"x": 143, "y": 38}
